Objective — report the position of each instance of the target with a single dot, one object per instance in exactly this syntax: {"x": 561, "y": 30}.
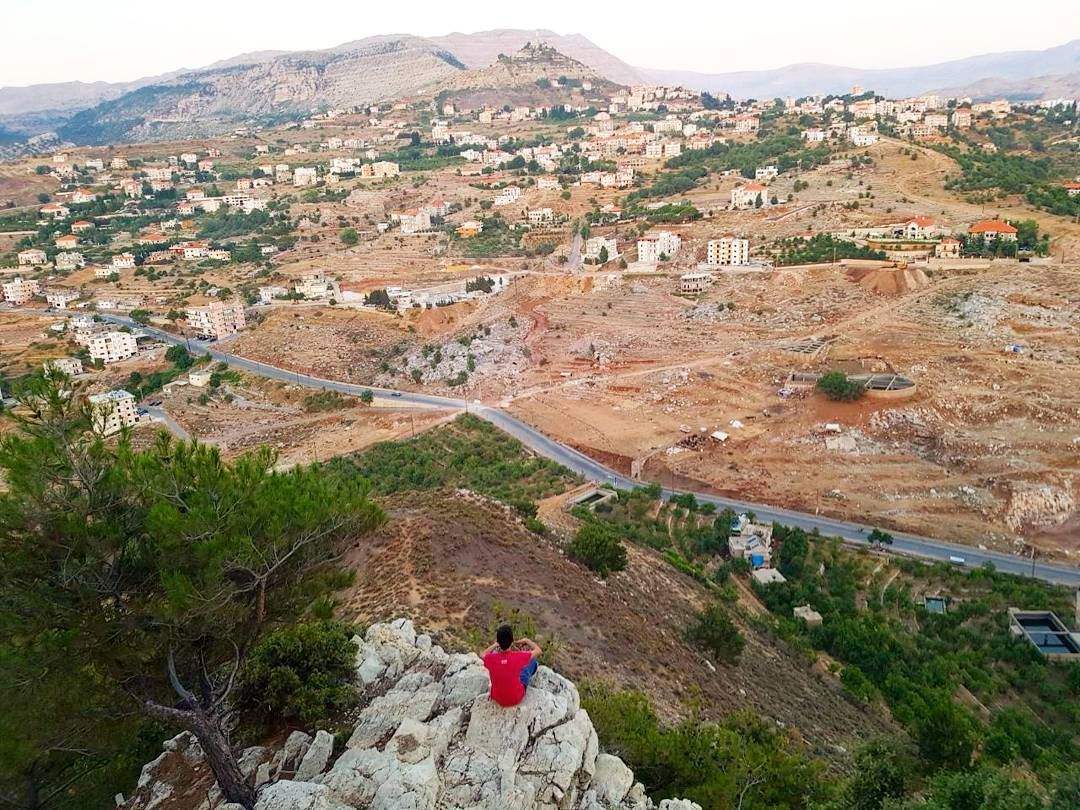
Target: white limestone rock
{"x": 289, "y": 795}
{"x": 612, "y": 780}
{"x": 429, "y": 738}
{"x": 316, "y": 758}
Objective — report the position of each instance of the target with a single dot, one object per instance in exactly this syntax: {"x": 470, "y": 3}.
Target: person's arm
{"x": 490, "y": 649}
{"x": 531, "y": 646}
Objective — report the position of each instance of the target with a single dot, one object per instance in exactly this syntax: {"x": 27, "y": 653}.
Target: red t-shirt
{"x": 505, "y": 671}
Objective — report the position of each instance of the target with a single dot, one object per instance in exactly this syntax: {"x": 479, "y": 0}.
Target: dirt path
{"x": 887, "y": 583}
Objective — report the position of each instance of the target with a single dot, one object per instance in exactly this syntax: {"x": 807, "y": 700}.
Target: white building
{"x": 217, "y": 319}
{"x": 728, "y": 250}
{"x": 32, "y": 256}
{"x": 596, "y": 244}
{"x": 413, "y": 220}
{"x": 316, "y": 285}
{"x": 305, "y": 176}
{"x": 861, "y": 136}
{"x": 268, "y": 294}
{"x": 112, "y": 347}
{"x": 751, "y": 195}
{"x": 766, "y": 173}
{"x": 540, "y": 216}
{"x": 113, "y": 411}
{"x": 69, "y": 261}
{"x": 507, "y": 195}
{"x": 71, "y": 366}
{"x": 61, "y": 298}
{"x": 695, "y": 282}
{"x": 657, "y": 247}
{"x": 20, "y": 290}
{"x": 122, "y": 261}
{"x": 918, "y": 228}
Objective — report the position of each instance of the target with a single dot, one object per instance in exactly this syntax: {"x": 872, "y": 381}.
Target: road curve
{"x": 910, "y": 544}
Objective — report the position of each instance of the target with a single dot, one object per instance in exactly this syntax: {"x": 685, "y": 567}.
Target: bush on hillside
{"x": 300, "y": 671}
{"x": 598, "y": 547}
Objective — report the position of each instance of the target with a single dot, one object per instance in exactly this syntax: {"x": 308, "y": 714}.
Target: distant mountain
{"x": 1065, "y": 85}
{"x": 810, "y": 78}
{"x": 473, "y": 50}
{"x": 270, "y": 88}
{"x": 484, "y": 47}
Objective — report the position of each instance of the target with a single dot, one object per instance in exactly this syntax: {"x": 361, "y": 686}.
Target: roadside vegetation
{"x": 468, "y": 453}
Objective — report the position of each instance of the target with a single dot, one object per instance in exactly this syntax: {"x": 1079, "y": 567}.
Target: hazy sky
{"x": 117, "y": 40}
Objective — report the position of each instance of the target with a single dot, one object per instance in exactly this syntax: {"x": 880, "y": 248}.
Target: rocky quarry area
{"x": 427, "y": 736}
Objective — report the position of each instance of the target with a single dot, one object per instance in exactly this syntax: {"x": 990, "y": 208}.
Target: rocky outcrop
{"x": 207, "y": 102}
{"x": 428, "y": 737}
{"x": 526, "y": 66}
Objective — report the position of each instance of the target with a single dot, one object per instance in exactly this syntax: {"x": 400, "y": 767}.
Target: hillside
{"x": 215, "y": 100}
{"x": 806, "y": 79}
{"x": 452, "y": 560}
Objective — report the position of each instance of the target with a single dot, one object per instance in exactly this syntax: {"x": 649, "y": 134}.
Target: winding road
{"x": 926, "y": 548}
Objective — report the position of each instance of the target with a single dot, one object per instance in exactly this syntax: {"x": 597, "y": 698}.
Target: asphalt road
{"x": 910, "y": 544}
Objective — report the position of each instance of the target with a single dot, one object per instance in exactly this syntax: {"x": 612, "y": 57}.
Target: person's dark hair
{"x": 505, "y": 636}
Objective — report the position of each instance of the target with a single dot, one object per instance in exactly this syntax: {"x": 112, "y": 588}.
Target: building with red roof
{"x": 991, "y": 229}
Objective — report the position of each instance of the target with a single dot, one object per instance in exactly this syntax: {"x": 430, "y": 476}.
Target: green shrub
{"x": 598, "y": 547}
{"x": 714, "y": 630}
{"x": 300, "y": 671}
{"x": 836, "y": 386}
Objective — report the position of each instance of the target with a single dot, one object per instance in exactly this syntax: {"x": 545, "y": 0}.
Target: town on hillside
{"x": 755, "y": 418}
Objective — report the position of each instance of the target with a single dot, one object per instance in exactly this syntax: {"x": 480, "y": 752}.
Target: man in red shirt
{"x": 510, "y": 667}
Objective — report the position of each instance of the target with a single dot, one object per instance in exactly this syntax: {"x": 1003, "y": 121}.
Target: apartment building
{"x": 66, "y": 365}
{"x": 112, "y": 411}
{"x": 507, "y": 195}
{"x": 20, "y": 290}
{"x": 596, "y": 244}
{"x": 657, "y": 247}
{"x": 217, "y": 319}
{"x": 305, "y": 176}
{"x": 112, "y": 347}
{"x": 961, "y": 119}
{"x": 728, "y": 250}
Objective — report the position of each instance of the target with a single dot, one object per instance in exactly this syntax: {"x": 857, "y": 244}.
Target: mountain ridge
{"x": 812, "y": 78}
